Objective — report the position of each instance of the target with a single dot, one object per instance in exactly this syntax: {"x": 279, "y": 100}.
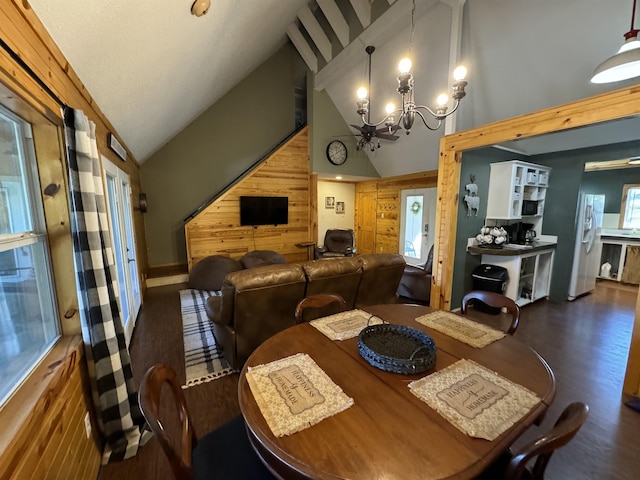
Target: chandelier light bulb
{"x": 390, "y": 108}
{"x": 405, "y": 65}
{"x": 362, "y": 93}
{"x": 442, "y": 99}
{"x": 459, "y": 73}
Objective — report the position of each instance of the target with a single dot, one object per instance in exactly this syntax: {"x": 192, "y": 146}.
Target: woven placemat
{"x": 294, "y": 393}
{"x": 467, "y": 331}
{"x": 475, "y": 400}
{"x": 344, "y": 325}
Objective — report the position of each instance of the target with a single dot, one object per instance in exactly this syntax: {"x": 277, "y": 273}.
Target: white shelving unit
{"x": 529, "y": 274}
{"x": 513, "y": 182}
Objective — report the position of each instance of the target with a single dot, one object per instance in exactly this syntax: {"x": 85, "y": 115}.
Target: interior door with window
{"x": 417, "y": 224}
{"x": 118, "y": 193}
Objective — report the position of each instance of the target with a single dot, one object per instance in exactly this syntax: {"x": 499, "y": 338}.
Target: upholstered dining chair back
{"x": 337, "y": 243}
{"x": 496, "y": 301}
{"x": 220, "y": 454}
{"x": 319, "y": 305}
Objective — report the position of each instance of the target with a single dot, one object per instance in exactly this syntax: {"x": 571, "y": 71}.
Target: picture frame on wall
{"x": 339, "y": 207}
{"x": 329, "y": 202}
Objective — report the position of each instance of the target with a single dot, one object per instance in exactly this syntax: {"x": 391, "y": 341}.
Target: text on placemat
{"x": 466, "y": 330}
{"x": 347, "y": 324}
{"x": 295, "y": 388}
{"x": 472, "y": 395}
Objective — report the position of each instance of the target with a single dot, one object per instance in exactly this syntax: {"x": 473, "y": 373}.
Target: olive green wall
{"x": 327, "y": 124}
{"x": 215, "y": 148}
{"x": 473, "y": 163}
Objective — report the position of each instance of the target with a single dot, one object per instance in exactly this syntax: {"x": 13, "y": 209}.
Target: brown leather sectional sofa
{"x": 259, "y": 302}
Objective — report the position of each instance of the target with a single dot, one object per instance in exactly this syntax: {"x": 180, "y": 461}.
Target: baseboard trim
{"x": 169, "y": 280}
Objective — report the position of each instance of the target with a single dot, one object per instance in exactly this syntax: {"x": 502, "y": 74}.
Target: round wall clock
{"x": 337, "y": 152}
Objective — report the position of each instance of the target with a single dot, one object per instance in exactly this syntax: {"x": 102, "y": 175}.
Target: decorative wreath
{"x": 415, "y": 207}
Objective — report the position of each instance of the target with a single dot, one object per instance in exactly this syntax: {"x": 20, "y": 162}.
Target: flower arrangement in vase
{"x": 494, "y": 237}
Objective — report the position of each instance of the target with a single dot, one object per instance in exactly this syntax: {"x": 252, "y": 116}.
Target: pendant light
{"x": 626, "y": 63}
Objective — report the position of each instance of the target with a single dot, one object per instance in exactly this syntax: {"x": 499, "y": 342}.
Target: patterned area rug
{"x": 203, "y": 360}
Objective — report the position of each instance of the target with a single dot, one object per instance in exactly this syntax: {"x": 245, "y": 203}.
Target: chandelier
{"x": 409, "y": 110}
{"x": 626, "y": 63}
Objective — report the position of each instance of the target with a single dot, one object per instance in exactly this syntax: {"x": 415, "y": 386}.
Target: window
{"x": 28, "y": 318}
{"x": 631, "y": 206}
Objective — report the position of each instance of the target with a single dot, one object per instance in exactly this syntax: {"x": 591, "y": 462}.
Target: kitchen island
{"x": 621, "y": 249}
{"x": 529, "y": 267}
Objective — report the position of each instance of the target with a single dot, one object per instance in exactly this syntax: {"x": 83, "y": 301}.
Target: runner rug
{"x": 202, "y": 357}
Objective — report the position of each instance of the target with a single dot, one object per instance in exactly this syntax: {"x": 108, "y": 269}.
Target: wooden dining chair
{"x": 496, "y": 302}
{"x": 319, "y": 305}
{"x": 514, "y": 464}
{"x": 220, "y": 454}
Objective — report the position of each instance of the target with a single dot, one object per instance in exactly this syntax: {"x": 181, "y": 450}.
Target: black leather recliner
{"x": 337, "y": 243}
{"x": 415, "y": 284}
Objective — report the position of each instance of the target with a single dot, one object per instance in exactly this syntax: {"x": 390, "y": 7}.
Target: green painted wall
{"x": 610, "y": 184}
{"x": 215, "y": 148}
{"x": 473, "y": 163}
{"x": 328, "y": 124}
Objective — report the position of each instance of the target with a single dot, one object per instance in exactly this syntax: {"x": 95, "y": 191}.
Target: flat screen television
{"x": 264, "y": 210}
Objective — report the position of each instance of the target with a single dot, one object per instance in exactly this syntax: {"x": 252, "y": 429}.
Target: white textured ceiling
{"x": 152, "y": 66}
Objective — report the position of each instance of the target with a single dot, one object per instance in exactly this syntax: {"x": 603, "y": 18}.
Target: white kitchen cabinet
{"x": 513, "y": 182}
{"x": 529, "y": 274}
{"x": 614, "y": 251}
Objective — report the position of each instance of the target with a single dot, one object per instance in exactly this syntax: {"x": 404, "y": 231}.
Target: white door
{"x": 417, "y": 224}
{"x": 118, "y": 193}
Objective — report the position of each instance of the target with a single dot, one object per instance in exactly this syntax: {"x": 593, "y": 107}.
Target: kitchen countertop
{"x": 510, "y": 250}
{"x": 626, "y": 234}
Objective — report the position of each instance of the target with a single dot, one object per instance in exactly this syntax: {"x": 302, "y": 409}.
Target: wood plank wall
{"x": 385, "y": 227}
{"x": 41, "y": 427}
{"x": 52, "y": 444}
{"x": 216, "y": 230}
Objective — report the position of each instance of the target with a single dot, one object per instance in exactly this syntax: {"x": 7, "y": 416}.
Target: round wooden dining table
{"x": 388, "y": 433}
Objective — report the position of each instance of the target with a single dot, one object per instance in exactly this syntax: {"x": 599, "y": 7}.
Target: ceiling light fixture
{"x": 200, "y": 7}
{"x": 626, "y": 63}
{"x": 634, "y": 161}
{"x": 409, "y": 110}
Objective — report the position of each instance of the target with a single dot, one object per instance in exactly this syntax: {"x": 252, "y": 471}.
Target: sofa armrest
{"x": 213, "y": 307}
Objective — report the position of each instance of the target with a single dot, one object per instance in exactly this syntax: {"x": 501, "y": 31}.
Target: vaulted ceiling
{"x": 153, "y": 67}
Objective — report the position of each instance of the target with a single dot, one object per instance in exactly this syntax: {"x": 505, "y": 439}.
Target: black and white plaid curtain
{"x": 109, "y": 364}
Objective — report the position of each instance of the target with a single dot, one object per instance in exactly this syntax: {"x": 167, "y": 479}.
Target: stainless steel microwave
{"x": 529, "y": 207}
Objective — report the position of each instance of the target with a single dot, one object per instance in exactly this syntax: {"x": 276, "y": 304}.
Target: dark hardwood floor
{"x": 586, "y": 342}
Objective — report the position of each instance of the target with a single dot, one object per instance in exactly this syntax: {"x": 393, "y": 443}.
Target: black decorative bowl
{"x": 397, "y": 349}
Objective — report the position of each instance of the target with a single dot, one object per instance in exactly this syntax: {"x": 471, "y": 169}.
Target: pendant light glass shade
{"x": 623, "y": 65}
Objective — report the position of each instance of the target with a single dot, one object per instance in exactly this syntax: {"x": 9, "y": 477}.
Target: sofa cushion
{"x": 334, "y": 276}
{"x": 381, "y": 273}
{"x": 259, "y": 258}
{"x": 209, "y": 272}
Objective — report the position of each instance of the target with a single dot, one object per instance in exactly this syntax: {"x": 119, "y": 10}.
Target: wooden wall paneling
{"x": 40, "y": 445}
{"x": 631, "y": 387}
{"x": 216, "y": 229}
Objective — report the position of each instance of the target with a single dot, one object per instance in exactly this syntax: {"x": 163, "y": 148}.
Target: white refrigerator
{"x": 588, "y": 249}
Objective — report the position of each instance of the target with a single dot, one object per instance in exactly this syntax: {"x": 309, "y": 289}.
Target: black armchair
{"x": 337, "y": 243}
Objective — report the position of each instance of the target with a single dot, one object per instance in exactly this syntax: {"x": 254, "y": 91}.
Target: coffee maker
{"x": 521, "y": 233}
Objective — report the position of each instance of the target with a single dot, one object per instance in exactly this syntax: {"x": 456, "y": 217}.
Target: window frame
{"x": 36, "y": 237}
{"x": 624, "y": 204}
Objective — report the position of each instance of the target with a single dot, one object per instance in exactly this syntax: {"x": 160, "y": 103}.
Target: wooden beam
{"x": 336, "y": 20}
{"x": 315, "y": 31}
{"x": 363, "y": 11}
{"x": 303, "y": 47}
